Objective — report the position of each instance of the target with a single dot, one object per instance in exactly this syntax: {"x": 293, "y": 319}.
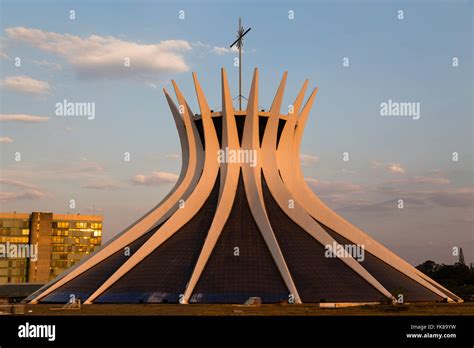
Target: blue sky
{"x": 407, "y": 60}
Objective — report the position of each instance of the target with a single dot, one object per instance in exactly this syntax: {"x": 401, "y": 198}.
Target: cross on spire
{"x": 238, "y": 43}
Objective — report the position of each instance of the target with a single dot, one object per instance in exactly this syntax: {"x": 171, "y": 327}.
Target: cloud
{"x": 155, "y": 179}
{"x": 6, "y": 140}
{"x": 376, "y": 164}
{"x": 88, "y": 168}
{"x": 426, "y": 192}
{"x": 458, "y": 197}
{"x": 323, "y": 187}
{"x": 380, "y": 207}
{"x": 104, "y": 56}
{"x": 215, "y": 49}
{"x": 396, "y": 168}
{"x": 411, "y": 184}
{"x": 3, "y": 55}
{"x": 432, "y": 190}
{"x": 391, "y": 167}
{"x": 224, "y": 50}
{"x": 449, "y": 198}
{"x": 17, "y": 183}
{"x": 337, "y": 193}
{"x": 13, "y": 196}
{"x": 431, "y": 180}
{"x": 308, "y": 160}
{"x": 418, "y": 180}
{"x": 49, "y": 65}
{"x": 348, "y": 171}
{"x": 77, "y": 173}
{"x": 173, "y": 156}
{"x": 23, "y": 118}
{"x": 101, "y": 186}
{"x": 27, "y": 85}
{"x": 152, "y": 85}
{"x": 26, "y": 191}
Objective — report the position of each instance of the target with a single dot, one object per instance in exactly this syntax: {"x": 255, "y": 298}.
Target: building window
{"x": 63, "y": 224}
{"x": 81, "y": 224}
{"x": 96, "y": 225}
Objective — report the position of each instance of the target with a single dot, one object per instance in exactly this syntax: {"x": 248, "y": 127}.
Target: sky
{"x": 424, "y": 58}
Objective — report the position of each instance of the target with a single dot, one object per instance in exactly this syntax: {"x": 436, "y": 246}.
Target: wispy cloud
{"x": 377, "y": 207}
{"x": 155, "y": 179}
{"x": 214, "y": 49}
{"x": 6, "y": 140}
{"x": 104, "y": 56}
{"x": 411, "y": 182}
{"x": 3, "y": 55}
{"x": 26, "y": 84}
{"x": 396, "y": 168}
{"x": 431, "y": 180}
{"x": 23, "y": 118}
{"x": 224, "y": 50}
{"x": 442, "y": 195}
{"x": 48, "y": 65}
{"x": 459, "y": 198}
{"x": 324, "y": 187}
{"x": 173, "y": 156}
{"x": 391, "y": 167}
{"x": 24, "y": 190}
{"x": 88, "y": 168}
{"x": 307, "y": 160}
{"x": 152, "y": 85}
{"x": 376, "y": 164}
{"x": 428, "y": 191}
{"x": 59, "y": 171}
{"x": 337, "y": 193}
{"x": 101, "y": 186}
{"x": 17, "y": 183}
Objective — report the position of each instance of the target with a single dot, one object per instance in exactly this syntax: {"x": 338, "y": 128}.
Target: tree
{"x": 429, "y": 268}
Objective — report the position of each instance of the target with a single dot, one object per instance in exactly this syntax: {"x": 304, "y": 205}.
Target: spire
{"x": 461, "y": 257}
{"x": 239, "y": 43}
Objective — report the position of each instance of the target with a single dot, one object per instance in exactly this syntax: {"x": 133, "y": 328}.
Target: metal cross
{"x": 240, "y": 38}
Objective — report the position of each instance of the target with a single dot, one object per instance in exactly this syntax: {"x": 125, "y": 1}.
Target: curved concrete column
{"x": 253, "y": 188}
{"x": 319, "y": 211}
{"x": 229, "y": 180}
{"x": 195, "y": 201}
{"x": 283, "y": 197}
{"x": 192, "y": 163}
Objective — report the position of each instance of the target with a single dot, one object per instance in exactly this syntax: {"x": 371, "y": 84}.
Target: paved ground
{"x": 265, "y": 310}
